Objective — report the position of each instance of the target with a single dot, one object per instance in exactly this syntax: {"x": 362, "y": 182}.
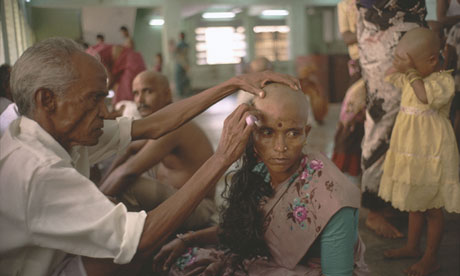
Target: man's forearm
{"x": 449, "y": 20}
{"x": 116, "y": 182}
{"x": 201, "y": 238}
{"x": 176, "y": 114}
{"x": 115, "y": 164}
{"x": 168, "y": 216}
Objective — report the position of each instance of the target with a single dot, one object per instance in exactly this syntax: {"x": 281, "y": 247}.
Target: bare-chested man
{"x": 150, "y": 171}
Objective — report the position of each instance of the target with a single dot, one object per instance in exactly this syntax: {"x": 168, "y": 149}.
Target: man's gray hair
{"x": 45, "y": 65}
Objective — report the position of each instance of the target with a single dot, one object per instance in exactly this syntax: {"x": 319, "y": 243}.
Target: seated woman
{"x": 286, "y": 212}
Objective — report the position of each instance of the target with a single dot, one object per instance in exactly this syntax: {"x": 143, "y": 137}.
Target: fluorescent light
{"x": 156, "y": 22}
{"x": 275, "y": 12}
{"x": 271, "y": 29}
{"x": 27, "y": 1}
{"x": 218, "y": 15}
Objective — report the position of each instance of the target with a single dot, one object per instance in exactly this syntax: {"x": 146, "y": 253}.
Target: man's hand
{"x": 254, "y": 82}
{"x": 235, "y": 134}
{"x": 403, "y": 62}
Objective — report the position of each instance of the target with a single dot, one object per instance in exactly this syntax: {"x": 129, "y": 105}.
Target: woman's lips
{"x": 280, "y": 160}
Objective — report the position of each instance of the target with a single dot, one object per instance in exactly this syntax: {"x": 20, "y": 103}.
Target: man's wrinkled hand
{"x": 254, "y": 82}
{"x": 235, "y": 134}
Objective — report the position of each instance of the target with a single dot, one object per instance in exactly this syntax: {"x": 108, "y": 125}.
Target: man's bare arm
{"x": 151, "y": 154}
{"x": 441, "y": 10}
{"x": 450, "y": 58}
{"x": 176, "y": 114}
{"x": 169, "y": 215}
{"x": 132, "y": 149}
{"x": 162, "y": 221}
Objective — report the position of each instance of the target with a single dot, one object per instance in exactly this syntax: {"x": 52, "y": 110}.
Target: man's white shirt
{"x": 49, "y": 207}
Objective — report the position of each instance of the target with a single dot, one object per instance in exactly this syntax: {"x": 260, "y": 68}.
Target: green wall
{"x": 147, "y": 38}
{"x": 49, "y": 22}
{"x": 315, "y": 34}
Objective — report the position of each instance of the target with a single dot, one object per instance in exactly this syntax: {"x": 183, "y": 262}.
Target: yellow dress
{"x": 421, "y": 167}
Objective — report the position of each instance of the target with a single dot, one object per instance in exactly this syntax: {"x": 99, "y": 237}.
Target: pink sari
{"x": 125, "y": 68}
{"x": 299, "y": 211}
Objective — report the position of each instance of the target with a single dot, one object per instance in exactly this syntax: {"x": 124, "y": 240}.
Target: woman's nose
{"x": 280, "y": 144}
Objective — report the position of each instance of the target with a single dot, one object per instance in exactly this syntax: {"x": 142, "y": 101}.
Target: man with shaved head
{"x": 150, "y": 171}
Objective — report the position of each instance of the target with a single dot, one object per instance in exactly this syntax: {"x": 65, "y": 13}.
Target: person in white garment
{"x": 54, "y": 220}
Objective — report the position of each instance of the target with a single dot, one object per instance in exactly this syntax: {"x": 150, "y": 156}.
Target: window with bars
{"x": 272, "y": 42}
{"x": 15, "y": 31}
{"x": 219, "y": 45}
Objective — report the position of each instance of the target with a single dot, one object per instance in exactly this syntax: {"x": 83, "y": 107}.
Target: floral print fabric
{"x": 377, "y": 41}
{"x": 295, "y": 216}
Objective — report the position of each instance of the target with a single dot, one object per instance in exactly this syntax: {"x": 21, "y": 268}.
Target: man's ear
{"x": 45, "y": 99}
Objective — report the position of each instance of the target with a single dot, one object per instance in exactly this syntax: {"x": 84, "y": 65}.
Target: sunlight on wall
{"x": 220, "y": 45}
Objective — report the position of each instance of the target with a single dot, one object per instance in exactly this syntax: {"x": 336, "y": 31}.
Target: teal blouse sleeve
{"x": 338, "y": 241}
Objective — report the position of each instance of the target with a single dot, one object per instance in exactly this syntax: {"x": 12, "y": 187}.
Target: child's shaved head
{"x": 419, "y": 42}
{"x": 421, "y": 46}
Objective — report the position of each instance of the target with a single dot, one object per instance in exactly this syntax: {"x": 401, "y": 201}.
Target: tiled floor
{"x": 321, "y": 137}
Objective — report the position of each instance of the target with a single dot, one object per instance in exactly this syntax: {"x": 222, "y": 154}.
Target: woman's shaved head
{"x": 282, "y": 101}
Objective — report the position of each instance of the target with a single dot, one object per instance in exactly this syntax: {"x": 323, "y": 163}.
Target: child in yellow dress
{"x": 420, "y": 173}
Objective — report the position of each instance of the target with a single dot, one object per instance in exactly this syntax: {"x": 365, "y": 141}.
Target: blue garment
{"x": 338, "y": 237}
{"x": 180, "y": 72}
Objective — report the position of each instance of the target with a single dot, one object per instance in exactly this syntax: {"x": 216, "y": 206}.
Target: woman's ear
{"x": 307, "y": 130}
{"x": 45, "y": 99}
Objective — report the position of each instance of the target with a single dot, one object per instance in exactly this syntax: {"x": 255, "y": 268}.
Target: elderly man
{"x": 165, "y": 163}
{"x": 48, "y": 206}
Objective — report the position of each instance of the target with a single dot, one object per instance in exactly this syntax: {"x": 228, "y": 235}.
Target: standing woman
{"x": 381, "y": 23}
{"x": 350, "y": 129}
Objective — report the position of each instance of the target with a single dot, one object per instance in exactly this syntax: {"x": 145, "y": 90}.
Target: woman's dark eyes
{"x": 266, "y": 131}
{"x": 293, "y": 133}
